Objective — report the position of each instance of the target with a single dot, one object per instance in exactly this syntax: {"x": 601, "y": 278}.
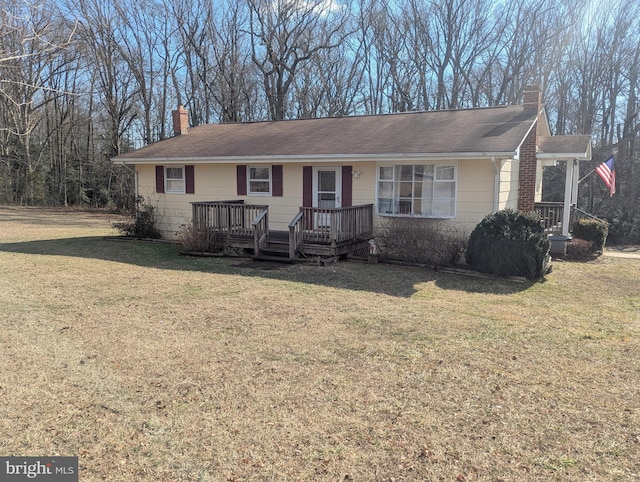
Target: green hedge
{"x": 510, "y": 243}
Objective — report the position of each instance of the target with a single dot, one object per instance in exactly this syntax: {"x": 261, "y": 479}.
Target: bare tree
{"x": 33, "y": 40}
{"x": 334, "y": 93}
{"x": 234, "y": 86}
{"x": 285, "y": 34}
{"x": 140, "y": 48}
{"x": 195, "y": 25}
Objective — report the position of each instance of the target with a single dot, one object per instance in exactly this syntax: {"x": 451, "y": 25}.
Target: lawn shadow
{"x": 392, "y": 280}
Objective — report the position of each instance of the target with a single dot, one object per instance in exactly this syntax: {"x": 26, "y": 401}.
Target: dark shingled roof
{"x": 484, "y": 130}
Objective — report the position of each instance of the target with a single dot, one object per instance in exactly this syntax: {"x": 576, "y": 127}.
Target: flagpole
{"x": 592, "y": 171}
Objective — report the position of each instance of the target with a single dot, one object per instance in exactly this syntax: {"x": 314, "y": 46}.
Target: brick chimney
{"x": 180, "y": 121}
{"x": 528, "y": 149}
{"x": 532, "y": 98}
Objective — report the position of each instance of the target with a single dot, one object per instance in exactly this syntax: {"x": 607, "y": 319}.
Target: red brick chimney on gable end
{"x": 180, "y": 121}
{"x": 528, "y": 161}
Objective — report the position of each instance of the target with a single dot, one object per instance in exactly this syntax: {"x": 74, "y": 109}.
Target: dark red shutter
{"x": 347, "y": 186}
{"x": 159, "y": 179}
{"x": 189, "y": 178}
{"x": 276, "y": 180}
{"x": 241, "y": 180}
{"x": 307, "y": 186}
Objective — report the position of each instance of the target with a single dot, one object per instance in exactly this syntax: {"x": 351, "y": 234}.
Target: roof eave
{"x": 565, "y": 156}
{"x": 289, "y": 159}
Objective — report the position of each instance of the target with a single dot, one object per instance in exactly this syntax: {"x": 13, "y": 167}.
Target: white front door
{"x": 327, "y": 189}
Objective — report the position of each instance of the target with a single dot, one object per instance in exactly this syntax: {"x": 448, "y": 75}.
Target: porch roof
{"x": 491, "y": 131}
{"x": 564, "y": 148}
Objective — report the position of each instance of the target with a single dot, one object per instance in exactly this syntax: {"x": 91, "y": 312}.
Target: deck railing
{"x": 228, "y": 218}
{"x": 552, "y": 216}
{"x": 247, "y": 225}
{"x": 296, "y": 233}
{"x": 260, "y": 231}
{"x": 336, "y": 225}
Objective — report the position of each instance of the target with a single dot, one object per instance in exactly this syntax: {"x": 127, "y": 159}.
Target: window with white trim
{"x": 425, "y": 190}
{"x": 174, "y": 179}
{"x": 259, "y": 180}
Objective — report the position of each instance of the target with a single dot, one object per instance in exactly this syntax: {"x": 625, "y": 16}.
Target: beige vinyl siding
{"x": 217, "y": 182}
{"x": 173, "y": 210}
{"x": 508, "y": 186}
{"x": 475, "y": 197}
{"x": 364, "y": 186}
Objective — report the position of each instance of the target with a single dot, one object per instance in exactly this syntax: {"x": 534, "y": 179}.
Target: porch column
{"x": 576, "y": 178}
{"x": 568, "y": 196}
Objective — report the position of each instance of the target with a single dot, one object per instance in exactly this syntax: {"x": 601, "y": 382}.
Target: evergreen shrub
{"x": 510, "y": 243}
{"x": 591, "y": 230}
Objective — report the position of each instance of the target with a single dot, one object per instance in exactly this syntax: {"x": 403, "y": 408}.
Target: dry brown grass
{"x": 154, "y": 367}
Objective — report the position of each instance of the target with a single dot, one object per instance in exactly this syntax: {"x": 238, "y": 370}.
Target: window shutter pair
{"x": 189, "y": 179}
{"x": 277, "y": 185}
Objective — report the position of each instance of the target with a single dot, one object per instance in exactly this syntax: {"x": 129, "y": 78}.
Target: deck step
{"x": 279, "y": 259}
{"x": 276, "y": 247}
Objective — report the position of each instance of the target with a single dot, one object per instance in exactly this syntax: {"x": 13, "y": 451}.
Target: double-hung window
{"x": 423, "y": 190}
{"x": 174, "y": 179}
{"x": 259, "y": 180}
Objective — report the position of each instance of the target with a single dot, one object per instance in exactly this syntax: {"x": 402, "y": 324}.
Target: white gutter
{"x": 317, "y": 158}
{"x": 565, "y": 156}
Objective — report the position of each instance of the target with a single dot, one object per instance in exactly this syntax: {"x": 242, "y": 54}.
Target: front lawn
{"x": 151, "y": 366}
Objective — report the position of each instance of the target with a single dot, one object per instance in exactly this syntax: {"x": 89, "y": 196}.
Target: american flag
{"x": 607, "y": 172}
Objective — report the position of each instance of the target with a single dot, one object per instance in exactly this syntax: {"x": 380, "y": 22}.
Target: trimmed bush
{"x": 579, "y": 249}
{"x": 510, "y": 243}
{"x": 591, "y": 230}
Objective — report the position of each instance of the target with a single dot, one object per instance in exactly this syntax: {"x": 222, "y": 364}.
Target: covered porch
{"x": 319, "y": 232}
{"x": 553, "y": 217}
{"x": 559, "y": 216}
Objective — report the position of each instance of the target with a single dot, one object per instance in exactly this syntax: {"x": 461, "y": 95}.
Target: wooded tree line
{"x": 84, "y": 80}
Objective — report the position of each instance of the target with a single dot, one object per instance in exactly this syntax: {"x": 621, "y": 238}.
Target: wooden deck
{"x": 312, "y": 232}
